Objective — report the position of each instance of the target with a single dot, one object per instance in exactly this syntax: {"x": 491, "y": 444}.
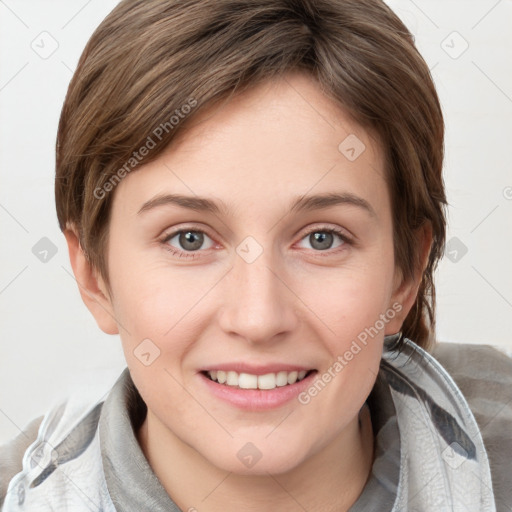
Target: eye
{"x": 322, "y": 239}
{"x": 186, "y": 241}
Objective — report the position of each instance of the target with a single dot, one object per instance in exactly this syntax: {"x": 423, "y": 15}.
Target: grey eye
{"x": 189, "y": 240}
{"x": 322, "y": 239}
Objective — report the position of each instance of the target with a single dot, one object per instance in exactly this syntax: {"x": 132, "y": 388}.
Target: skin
{"x": 295, "y": 303}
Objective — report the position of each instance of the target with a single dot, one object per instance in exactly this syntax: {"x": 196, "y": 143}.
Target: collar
{"x": 131, "y": 483}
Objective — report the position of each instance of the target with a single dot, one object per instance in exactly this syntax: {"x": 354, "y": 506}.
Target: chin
{"x": 257, "y": 458}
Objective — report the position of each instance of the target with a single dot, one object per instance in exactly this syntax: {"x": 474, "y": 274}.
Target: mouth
{"x": 268, "y": 381}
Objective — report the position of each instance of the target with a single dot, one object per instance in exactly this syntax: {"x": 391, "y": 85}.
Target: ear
{"x": 406, "y": 290}
{"x": 92, "y": 287}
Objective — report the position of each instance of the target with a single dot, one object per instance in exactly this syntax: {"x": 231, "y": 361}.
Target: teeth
{"x": 292, "y": 377}
{"x": 232, "y": 379}
{"x": 282, "y": 379}
{"x": 249, "y": 381}
{"x": 267, "y": 381}
{"x": 246, "y": 381}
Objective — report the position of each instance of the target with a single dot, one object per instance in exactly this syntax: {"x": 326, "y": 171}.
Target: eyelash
{"x": 194, "y": 254}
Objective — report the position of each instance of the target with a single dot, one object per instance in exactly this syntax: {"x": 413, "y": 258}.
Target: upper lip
{"x": 256, "y": 369}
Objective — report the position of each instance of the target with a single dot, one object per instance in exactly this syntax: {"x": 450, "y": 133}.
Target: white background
{"x": 50, "y": 344}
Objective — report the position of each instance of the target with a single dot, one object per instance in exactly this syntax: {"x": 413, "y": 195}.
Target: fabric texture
{"x": 11, "y": 454}
{"x": 429, "y": 451}
{"x": 484, "y": 374}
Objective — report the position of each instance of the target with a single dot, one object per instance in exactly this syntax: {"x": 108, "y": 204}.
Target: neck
{"x": 330, "y": 480}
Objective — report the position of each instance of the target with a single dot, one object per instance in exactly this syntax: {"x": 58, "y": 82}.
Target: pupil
{"x": 193, "y": 238}
{"x": 321, "y": 240}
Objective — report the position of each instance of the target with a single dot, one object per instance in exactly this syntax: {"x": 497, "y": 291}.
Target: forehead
{"x": 281, "y": 138}
{"x": 294, "y": 101}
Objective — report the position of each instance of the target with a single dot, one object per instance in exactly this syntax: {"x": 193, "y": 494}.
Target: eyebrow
{"x": 300, "y": 204}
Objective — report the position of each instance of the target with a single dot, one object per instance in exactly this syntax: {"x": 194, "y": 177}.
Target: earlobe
{"x": 406, "y": 290}
{"x": 91, "y": 286}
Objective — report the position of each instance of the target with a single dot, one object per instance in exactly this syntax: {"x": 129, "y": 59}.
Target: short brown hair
{"x": 149, "y": 58}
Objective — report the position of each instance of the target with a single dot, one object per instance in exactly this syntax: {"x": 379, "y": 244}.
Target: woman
{"x": 252, "y": 197}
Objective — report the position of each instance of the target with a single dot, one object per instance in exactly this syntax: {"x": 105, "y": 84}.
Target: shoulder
{"x": 11, "y": 454}
{"x": 484, "y": 375}
{"x": 480, "y": 356}
{"x": 58, "y": 440}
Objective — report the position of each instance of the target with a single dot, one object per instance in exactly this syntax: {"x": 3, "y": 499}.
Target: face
{"x": 257, "y": 249}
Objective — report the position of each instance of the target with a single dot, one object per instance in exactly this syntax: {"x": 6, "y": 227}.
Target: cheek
{"x": 351, "y": 308}
{"x": 161, "y": 324}
{"x": 149, "y": 295}
{"x": 348, "y": 299}
{"x": 161, "y": 303}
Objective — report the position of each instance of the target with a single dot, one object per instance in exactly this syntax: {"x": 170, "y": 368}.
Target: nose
{"x": 258, "y": 304}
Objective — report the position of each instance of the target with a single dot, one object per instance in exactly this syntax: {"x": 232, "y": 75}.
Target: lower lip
{"x": 257, "y": 399}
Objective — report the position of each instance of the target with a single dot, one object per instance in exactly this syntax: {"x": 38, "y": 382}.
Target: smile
{"x": 249, "y": 381}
